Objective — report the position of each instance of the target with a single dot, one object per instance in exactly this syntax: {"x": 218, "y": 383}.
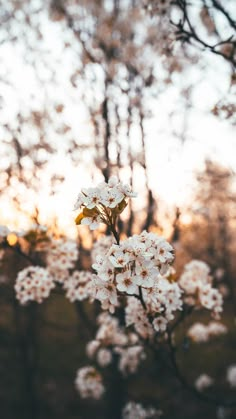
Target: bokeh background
{"x": 140, "y": 89}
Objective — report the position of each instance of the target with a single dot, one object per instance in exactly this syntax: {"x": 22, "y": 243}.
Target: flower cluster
{"x": 139, "y": 266}
{"x": 200, "y": 332}
{"x": 197, "y": 285}
{"x": 89, "y": 383}
{"x": 102, "y": 204}
{"x": 113, "y": 339}
{"x": 79, "y": 286}
{"x": 134, "y": 410}
{"x": 33, "y": 284}
{"x": 136, "y": 315}
{"x": 62, "y": 255}
{"x": 203, "y": 381}
{"x": 101, "y": 247}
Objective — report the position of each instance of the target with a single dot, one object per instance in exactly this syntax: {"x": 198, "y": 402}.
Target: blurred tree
{"x": 207, "y": 24}
{"x": 213, "y": 221}
{"x": 103, "y": 59}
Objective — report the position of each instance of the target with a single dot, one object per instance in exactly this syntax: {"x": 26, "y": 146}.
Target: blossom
{"x": 92, "y": 197}
{"x": 104, "y": 357}
{"x": 136, "y": 316}
{"x": 127, "y": 191}
{"x": 134, "y": 410}
{"x": 101, "y": 247}
{"x": 89, "y": 383}
{"x": 125, "y": 283}
{"x": 203, "y": 381}
{"x": 111, "y": 197}
{"x": 216, "y": 329}
{"x": 62, "y": 254}
{"x": 130, "y": 358}
{"x": 103, "y": 203}
{"x": 197, "y": 285}
{"x": 33, "y": 284}
{"x": 107, "y": 294}
{"x": 79, "y": 286}
{"x": 160, "y": 324}
{"x": 118, "y": 258}
{"x": 92, "y": 222}
{"x": 113, "y": 338}
{"x": 79, "y": 201}
{"x": 211, "y": 298}
{"x": 231, "y": 376}
{"x": 145, "y": 274}
{"x": 199, "y": 332}
{"x": 92, "y": 347}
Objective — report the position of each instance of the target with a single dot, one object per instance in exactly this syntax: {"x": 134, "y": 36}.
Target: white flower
{"x": 62, "y": 254}
{"x": 101, "y": 247}
{"x": 107, "y": 292}
{"x": 92, "y": 198}
{"x": 79, "y": 201}
{"x": 134, "y": 410}
{"x": 104, "y": 357}
{"x": 160, "y": 324}
{"x": 198, "y": 332}
{"x": 130, "y": 359}
{"x": 125, "y": 283}
{"x": 146, "y": 274}
{"x": 216, "y": 329}
{"x": 203, "y": 381}
{"x": 231, "y": 376}
{"x": 92, "y": 222}
{"x": 119, "y": 259}
{"x": 211, "y": 298}
{"x": 33, "y": 284}
{"x": 127, "y": 191}
{"x": 89, "y": 383}
{"x": 92, "y": 347}
{"x": 78, "y": 286}
{"x": 111, "y": 197}
{"x": 113, "y": 181}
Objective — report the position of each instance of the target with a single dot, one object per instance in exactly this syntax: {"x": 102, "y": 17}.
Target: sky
{"x": 171, "y": 163}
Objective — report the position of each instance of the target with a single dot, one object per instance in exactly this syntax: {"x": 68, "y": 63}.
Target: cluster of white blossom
{"x": 197, "y": 285}
{"x": 61, "y": 256}
{"x": 112, "y": 338}
{"x": 200, "y": 332}
{"x": 130, "y": 358}
{"x": 103, "y": 203}
{"x": 89, "y": 383}
{"x": 33, "y": 284}
{"x": 203, "y": 381}
{"x": 231, "y": 376}
{"x": 133, "y": 410}
{"x": 136, "y": 315}
{"x": 139, "y": 264}
{"x": 79, "y": 286}
{"x": 101, "y": 246}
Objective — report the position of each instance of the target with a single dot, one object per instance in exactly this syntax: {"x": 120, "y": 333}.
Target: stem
{"x": 141, "y": 298}
{"x": 115, "y": 234}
